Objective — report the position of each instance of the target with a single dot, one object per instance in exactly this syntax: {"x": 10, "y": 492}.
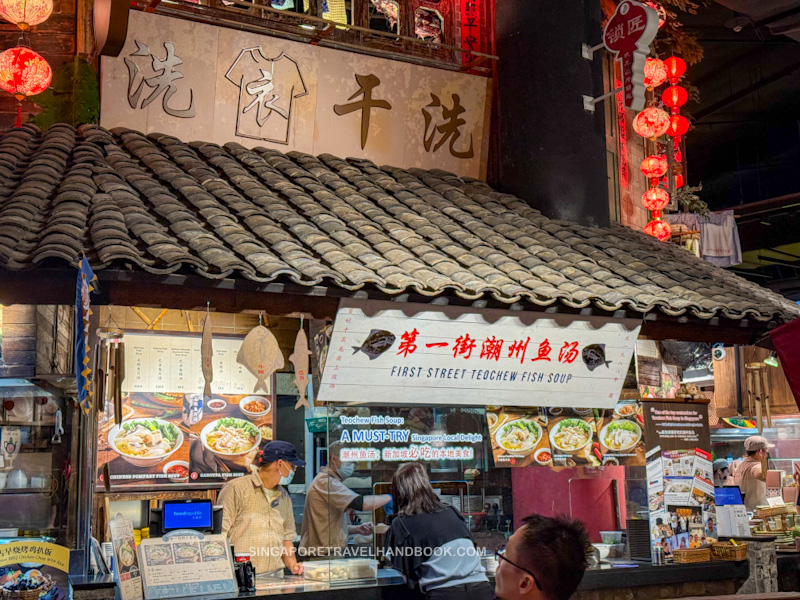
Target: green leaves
{"x": 73, "y": 97}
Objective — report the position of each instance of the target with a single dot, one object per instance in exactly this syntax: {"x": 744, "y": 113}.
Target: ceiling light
{"x": 307, "y": 26}
{"x": 772, "y": 360}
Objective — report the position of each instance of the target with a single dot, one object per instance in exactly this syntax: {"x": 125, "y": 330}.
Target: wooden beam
{"x": 322, "y": 34}
{"x": 154, "y": 324}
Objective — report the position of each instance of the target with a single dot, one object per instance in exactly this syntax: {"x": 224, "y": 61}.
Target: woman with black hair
{"x": 430, "y": 543}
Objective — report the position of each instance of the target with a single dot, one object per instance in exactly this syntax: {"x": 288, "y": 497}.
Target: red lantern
{"x": 658, "y": 229}
{"x": 26, "y": 13}
{"x": 678, "y": 181}
{"x": 662, "y": 13}
{"x": 655, "y": 199}
{"x": 651, "y": 123}
{"x": 674, "y": 96}
{"x": 654, "y": 166}
{"x": 676, "y": 67}
{"x": 678, "y": 126}
{"x": 655, "y": 73}
{"x": 23, "y": 73}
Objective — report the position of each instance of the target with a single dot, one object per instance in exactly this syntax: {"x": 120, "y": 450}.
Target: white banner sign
{"x": 382, "y": 352}
{"x": 215, "y": 84}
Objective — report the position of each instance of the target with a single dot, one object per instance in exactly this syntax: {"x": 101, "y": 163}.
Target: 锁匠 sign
{"x": 420, "y": 354}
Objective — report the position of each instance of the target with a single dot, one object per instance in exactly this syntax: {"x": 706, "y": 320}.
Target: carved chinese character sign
{"x": 628, "y": 34}
{"x": 366, "y": 84}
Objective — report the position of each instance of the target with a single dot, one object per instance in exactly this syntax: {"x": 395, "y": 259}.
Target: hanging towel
{"x": 717, "y": 240}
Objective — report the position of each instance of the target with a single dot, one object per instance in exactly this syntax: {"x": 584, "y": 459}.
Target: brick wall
{"x": 55, "y": 39}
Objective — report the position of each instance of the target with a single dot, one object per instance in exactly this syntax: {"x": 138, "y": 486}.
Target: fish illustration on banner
{"x": 378, "y": 341}
{"x": 300, "y": 359}
{"x": 207, "y": 356}
{"x": 85, "y": 285}
{"x": 594, "y": 356}
{"x": 261, "y": 355}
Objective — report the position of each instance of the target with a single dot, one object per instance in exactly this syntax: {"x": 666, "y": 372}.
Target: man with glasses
{"x": 545, "y": 559}
{"x": 257, "y": 511}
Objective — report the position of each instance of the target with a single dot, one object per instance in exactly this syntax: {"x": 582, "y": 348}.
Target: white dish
{"x": 604, "y": 432}
{"x": 557, "y": 428}
{"x": 525, "y": 450}
{"x": 217, "y": 405}
{"x": 210, "y": 427}
{"x": 138, "y": 461}
{"x": 174, "y": 463}
{"x": 250, "y": 414}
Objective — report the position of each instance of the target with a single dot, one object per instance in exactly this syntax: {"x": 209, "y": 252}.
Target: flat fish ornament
{"x": 595, "y": 356}
{"x": 300, "y": 359}
{"x": 261, "y": 355}
{"x": 378, "y": 341}
{"x": 207, "y": 356}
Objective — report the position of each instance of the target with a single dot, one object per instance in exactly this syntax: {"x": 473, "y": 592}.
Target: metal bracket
{"x": 589, "y": 101}
{"x": 588, "y": 51}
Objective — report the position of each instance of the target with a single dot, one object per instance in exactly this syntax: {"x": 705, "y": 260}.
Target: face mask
{"x": 346, "y": 469}
{"x": 286, "y": 480}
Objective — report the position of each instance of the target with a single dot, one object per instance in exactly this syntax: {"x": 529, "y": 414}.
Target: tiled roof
{"x": 161, "y": 205}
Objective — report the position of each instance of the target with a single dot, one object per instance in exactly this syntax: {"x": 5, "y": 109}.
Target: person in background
{"x": 325, "y": 518}
{"x": 257, "y": 512}
{"x": 751, "y": 476}
{"x": 722, "y": 472}
{"x": 710, "y": 530}
{"x": 430, "y": 543}
{"x": 545, "y": 559}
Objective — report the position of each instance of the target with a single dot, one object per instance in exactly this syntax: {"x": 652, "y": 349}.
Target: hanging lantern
{"x": 678, "y": 181}
{"x": 658, "y": 229}
{"x": 662, "y": 12}
{"x": 651, "y": 123}
{"x": 23, "y": 73}
{"x": 654, "y": 166}
{"x": 674, "y": 96}
{"x": 678, "y": 126}
{"x": 676, "y": 67}
{"x": 26, "y": 13}
{"x": 655, "y": 199}
{"x": 655, "y": 73}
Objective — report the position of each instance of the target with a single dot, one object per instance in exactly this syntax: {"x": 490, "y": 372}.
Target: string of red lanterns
{"x": 23, "y": 72}
{"x": 654, "y": 122}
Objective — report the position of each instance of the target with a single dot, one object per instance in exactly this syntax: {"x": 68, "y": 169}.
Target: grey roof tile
{"x": 155, "y": 203}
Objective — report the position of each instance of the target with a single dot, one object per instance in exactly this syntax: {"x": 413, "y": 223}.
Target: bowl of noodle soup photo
{"x": 230, "y": 436}
{"x": 145, "y": 442}
{"x": 519, "y": 437}
{"x": 570, "y": 436}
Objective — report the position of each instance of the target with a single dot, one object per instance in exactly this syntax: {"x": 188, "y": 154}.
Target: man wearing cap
{"x": 722, "y": 472}
{"x": 751, "y": 476}
{"x": 325, "y": 521}
{"x": 257, "y": 512}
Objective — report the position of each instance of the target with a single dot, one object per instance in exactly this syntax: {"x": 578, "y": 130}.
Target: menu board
{"x": 126, "y": 562}
{"x": 35, "y": 565}
{"x": 171, "y": 435}
{"x": 187, "y": 563}
{"x": 679, "y": 476}
{"x": 565, "y": 436}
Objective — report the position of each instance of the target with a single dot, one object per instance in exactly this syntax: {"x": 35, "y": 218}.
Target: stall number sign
{"x": 423, "y": 355}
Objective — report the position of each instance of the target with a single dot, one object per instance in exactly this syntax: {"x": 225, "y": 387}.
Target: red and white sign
{"x": 470, "y": 28}
{"x": 628, "y": 34}
{"x": 383, "y": 352}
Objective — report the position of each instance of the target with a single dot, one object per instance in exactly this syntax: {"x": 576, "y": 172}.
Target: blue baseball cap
{"x": 279, "y": 450}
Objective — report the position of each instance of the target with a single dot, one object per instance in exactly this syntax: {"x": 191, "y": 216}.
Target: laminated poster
{"x": 126, "y": 562}
{"x": 165, "y": 411}
{"x": 43, "y": 566}
{"x": 187, "y": 563}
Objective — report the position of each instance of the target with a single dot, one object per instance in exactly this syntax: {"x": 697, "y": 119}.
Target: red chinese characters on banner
{"x": 622, "y": 140}
{"x": 407, "y": 345}
{"x": 470, "y": 28}
{"x": 628, "y": 34}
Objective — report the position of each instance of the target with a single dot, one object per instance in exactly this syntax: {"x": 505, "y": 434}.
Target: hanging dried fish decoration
{"x": 300, "y": 359}
{"x": 261, "y": 355}
{"x": 207, "y": 355}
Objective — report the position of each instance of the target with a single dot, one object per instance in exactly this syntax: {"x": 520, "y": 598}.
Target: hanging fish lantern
{"x": 207, "y": 356}
{"x": 300, "y": 359}
{"x": 261, "y": 355}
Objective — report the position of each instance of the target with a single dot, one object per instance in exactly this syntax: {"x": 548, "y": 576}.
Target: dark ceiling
{"x": 745, "y": 144}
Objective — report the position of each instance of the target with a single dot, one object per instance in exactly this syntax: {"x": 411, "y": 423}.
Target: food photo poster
{"x": 171, "y": 434}
{"x": 566, "y": 437}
